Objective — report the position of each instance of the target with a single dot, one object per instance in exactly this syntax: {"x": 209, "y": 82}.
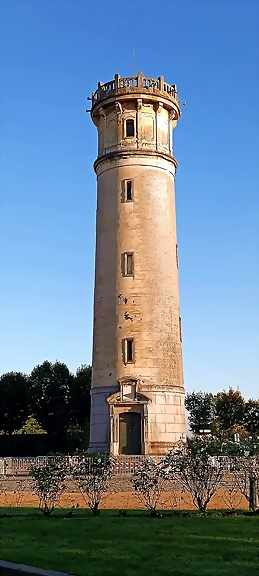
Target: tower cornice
{"x": 123, "y": 154}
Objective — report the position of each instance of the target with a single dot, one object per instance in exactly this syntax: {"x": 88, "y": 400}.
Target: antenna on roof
{"x": 133, "y": 63}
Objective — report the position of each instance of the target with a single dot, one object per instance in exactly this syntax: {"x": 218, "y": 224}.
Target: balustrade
{"x": 134, "y": 82}
{"x": 128, "y": 82}
{"x": 150, "y": 83}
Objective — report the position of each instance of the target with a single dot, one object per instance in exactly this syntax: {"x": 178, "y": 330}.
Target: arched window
{"x": 130, "y": 132}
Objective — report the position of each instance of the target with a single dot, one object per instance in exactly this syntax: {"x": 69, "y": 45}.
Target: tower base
{"x": 149, "y": 422}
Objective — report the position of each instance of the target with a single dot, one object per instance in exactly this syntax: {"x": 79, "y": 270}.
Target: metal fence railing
{"x": 122, "y": 465}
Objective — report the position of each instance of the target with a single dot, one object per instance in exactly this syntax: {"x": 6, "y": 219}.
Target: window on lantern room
{"x": 130, "y": 132}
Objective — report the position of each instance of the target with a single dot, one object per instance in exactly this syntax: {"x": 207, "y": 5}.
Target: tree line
{"x": 49, "y": 400}
{"x": 52, "y": 400}
{"x": 223, "y": 414}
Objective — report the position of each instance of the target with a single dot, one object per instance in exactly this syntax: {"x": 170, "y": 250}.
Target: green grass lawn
{"x": 136, "y": 545}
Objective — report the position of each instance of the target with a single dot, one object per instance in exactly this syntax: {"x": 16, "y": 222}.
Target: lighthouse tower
{"x": 137, "y": 393}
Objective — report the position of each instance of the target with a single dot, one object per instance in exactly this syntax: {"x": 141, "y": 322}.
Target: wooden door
{"x": 130, "y": 433}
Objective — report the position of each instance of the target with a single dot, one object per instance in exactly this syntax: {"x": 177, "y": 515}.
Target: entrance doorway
{"x": 130, "y": 433}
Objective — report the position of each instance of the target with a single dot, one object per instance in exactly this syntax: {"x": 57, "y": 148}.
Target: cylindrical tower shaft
{"x": 137, "y": 395}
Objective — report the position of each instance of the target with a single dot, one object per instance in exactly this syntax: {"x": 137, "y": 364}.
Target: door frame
{"x": 138, "y": 440}
{"x": 118, "y": 404}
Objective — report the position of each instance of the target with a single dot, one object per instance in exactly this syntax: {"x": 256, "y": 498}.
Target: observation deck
{"x": 135, "y": 86}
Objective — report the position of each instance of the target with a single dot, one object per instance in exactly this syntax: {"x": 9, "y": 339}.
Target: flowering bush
{"x": 245, "y": 470}
{"x": 91, "y": 476}
{"x": 149, "y": 482}
{"x": 48, "y": 482}
{"x": 199, "y": 473}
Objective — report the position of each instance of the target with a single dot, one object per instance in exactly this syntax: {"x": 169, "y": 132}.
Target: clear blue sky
{"x": 53, "y": 54}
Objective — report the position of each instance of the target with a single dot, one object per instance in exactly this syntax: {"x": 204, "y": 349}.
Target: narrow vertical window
{"x": 130, "y": 128}
{"x": 176, "y": 251}
{"x": 128, "y": 191}
{"x": 128, "y": 350}
{"x": 127, "y": 264}
{"x": 180, "y": 328}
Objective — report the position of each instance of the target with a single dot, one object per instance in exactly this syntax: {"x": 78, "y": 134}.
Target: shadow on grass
{"x": 85, "y": 513}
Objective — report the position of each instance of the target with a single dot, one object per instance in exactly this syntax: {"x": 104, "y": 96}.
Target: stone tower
{"x": 137, "y": 394}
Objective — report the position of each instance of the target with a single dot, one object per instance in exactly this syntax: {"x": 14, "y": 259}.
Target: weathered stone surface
{"x": 143, "y": 306}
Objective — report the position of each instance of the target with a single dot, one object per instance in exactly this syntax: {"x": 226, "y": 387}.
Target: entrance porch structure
{"x": 137, "y": 393}
{"x": 128, "y": 420}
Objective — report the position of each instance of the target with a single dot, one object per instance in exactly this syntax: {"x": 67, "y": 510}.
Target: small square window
{"x": 128, "y": 350}
{"x": 130, "y": 129}
{"x": 127, "y": 264}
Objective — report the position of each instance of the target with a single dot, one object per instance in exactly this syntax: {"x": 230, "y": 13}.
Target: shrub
{"x": 48, "y": 483}
{"x": 149, "y": 482}
{"x": 246, "y": 473}
{"x": 91, "y": 476}
{"x": 199, "y": 473}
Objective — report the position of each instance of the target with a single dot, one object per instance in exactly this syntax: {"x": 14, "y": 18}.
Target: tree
{"x": 200, "y": 407}
{"x": 49, "y": 398}
{"x": 149, "y": 482}
{"x": 79, "y": 395}
{"x": 13, "y": 401}
{"x": 48, "y": 483}
{"x": 229, "y": 410}
{"x": 91, "y": 476}
{"x": 199, "y": 473}
{"x": 31, "y": 426}
{"x": 246, "y": 473}
{"x": 79, "y": 408}
{"x": 251, "y": 417}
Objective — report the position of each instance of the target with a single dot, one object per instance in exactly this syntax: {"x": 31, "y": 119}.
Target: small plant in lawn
{"x": 91, "y": 476}
{"x": 48, "y": 483}
{"x": 124, "y": 511}
{"x": 149, "y": 482}
{"x": 71, "y": 511}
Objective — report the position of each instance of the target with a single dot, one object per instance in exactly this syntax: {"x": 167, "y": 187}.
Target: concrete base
{"x": 100, "y": 419}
